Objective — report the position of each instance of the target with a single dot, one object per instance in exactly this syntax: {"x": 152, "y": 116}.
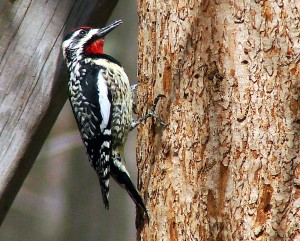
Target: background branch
{"x": 33, "y": 79}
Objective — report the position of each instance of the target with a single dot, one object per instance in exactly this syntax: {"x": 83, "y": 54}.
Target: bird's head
{"x": 86, "y": 40}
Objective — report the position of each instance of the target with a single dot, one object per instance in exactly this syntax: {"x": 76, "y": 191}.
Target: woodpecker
{"x": 102, "y": 103}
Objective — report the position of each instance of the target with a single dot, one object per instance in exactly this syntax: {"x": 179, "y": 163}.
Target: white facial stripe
{"x": 65, "y": 45}
{"x": 70, "y": 43}
{"x": 104, "y": 101}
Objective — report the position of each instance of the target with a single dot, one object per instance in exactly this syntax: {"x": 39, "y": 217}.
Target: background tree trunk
{"x": 227, "y": 166}
{"x": 32, "y": 88}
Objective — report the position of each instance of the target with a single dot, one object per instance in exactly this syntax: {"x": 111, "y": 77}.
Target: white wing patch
{"x": 104, "y": 101}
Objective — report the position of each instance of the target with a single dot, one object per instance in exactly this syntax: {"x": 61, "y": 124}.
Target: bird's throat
{"x": 95, "y": 47}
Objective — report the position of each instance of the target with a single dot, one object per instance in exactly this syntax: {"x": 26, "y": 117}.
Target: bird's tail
{"x": 99, "y": 153}
{"x": 105, "y": 192}
{"x": 122, "y": 177}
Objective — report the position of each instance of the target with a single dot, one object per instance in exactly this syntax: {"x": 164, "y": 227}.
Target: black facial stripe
{"x": 77, "y": 34}
{"x": 91, "y": 40}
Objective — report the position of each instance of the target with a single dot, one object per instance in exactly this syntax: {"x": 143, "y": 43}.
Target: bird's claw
{"x": 152, "y": 114}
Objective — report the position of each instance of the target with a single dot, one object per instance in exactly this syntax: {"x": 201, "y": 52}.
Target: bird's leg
{"x": 133, "y": 87}
{"x": 152, "y": 113}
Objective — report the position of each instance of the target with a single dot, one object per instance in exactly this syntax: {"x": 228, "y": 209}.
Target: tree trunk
{"x": 227, "y": 167}
{"x": 32, "y": 86}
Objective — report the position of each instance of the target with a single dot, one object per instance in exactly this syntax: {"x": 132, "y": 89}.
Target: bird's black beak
{"x": 104, "y": 31}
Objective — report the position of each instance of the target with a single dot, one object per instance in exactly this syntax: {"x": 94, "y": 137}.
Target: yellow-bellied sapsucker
{"x": 101, "y": 99}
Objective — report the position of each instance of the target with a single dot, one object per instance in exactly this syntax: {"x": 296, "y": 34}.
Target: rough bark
{"x": 32, "y": 88}
{"x": 227, "y": 167}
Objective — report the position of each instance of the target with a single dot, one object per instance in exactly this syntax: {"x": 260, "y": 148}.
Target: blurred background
{"x": 61, "y": 198}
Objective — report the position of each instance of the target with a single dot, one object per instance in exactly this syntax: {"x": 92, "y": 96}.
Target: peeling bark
{"x": 227, "y": 167}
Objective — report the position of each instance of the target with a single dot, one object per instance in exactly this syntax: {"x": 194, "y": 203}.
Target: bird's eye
{"x": 82, "y": 32}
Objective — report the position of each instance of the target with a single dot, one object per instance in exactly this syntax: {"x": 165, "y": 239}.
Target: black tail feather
{"x": 121, "y": 176}
{"x": 105, "y": 194}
